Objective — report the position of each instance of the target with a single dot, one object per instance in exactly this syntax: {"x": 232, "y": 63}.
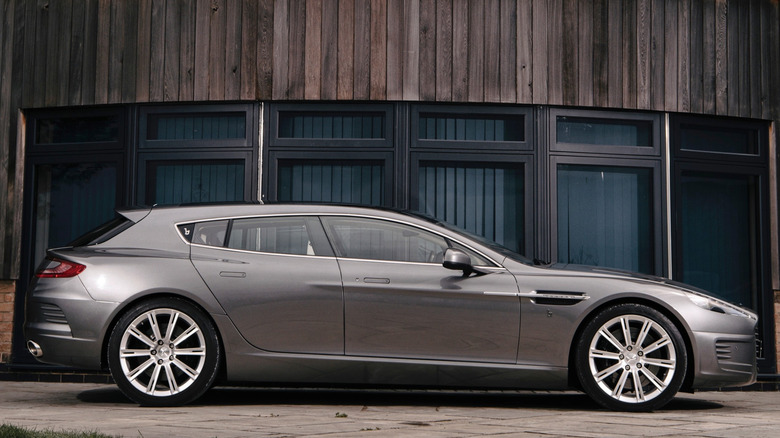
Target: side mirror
{"x": 457, "y": 260}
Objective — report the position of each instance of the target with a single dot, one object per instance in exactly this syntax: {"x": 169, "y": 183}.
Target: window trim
{"x": 659, "y": 206}
{"x": 529, "y": 180}
{"x": 465, "y": 110}
{"x": 335, "y": 108}
{"x": 250, "y": 124}
{"x": 35, "y": 148}
{"x": 654, "y": 150}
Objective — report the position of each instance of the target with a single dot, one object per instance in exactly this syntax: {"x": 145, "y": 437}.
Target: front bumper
{"x": 724, "y": 360}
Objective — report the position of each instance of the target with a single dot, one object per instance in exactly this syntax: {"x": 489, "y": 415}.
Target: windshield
{"x": 497, "y": 247}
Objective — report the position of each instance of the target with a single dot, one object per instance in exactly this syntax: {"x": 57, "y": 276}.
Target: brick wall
{"x": 7, "y": 293}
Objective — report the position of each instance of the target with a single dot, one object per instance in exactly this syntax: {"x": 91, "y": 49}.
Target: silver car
{"x": 173, "y": 299}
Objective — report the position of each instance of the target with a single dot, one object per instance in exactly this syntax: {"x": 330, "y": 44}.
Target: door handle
{"x": 231, "y": 274}
{"x": 376, "y": 280}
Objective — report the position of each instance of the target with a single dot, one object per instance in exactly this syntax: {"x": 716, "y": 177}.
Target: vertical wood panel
{"x": 750, "y": 86}
{"x": 201, "y": 68}
{"x": 64, "y": 19}
{"x": 525, "y": 45}
{"x": 657, "y": 53}
{"x": 733, "y": 54}
{"x": 171, "y": 56}
{"x": 615, "y": 53}
{"x": 508, "y": 50}
{"x": 281, "y": 50}
{"x": 329, "y": 67}
{"x": 116, "y": 45}
{"x": 460, "y": 51}
{"x": 76, "y": 60}
{"x": 492, "y": 51}
{"x": 721, "y": 72}
{"x": 683, "y": 56}
{"x": 28, "y": 64}
{"x": 643, "y": 54}
{"x": 378, "y": 66}
{"x": 188, "y": 14}
{"x": 555, "y": 52}
{"x": 362, "y": 56}
{"x": 52, "y": 78}
{"x": 265, "y": 50}
{"x": 585, "y": 54}
{"x": 569, "y": 51}
{"x": 629, "y": 54}
{"x": 157, "y": 48}
{"x": 143, "y": 50}
{"x": 697, "y": 55}
{"x": 7, "y": 26}
{"x": 347, "y": 48}
{"x": 411, "y": 58}
{"x": 249, "y": 60}
{"x": 129, "y": 49}
{"x": 395, "y": 44}
{"x": 600, "y": 53}
{"x": 476, "y": 51}
{"x": 217, "y": 46}
{"x": 233, "y": 50}
{"x": 102, "y": 51}
{"x": 708, "y": 57}
{"x": 313, "y": 49}
{"x": 540, "y": 50}
{"x": 443, "y": 50}
{"x": 428, "y": 50}
{"x": 768, "y": 30}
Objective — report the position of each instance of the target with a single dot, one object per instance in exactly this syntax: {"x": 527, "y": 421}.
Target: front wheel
{"x": 164, "y": 352}
{"x": 631, "y": 357}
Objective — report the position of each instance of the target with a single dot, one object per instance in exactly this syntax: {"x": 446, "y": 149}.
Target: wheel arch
{"x": 691, "y": 360}
{"x": 123, "y": 309}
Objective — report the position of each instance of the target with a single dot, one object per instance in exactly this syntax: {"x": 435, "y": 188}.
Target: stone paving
{"x": 259, "y": 412}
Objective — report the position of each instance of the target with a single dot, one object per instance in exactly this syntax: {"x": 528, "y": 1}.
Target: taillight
{"x": 63, "y": 269}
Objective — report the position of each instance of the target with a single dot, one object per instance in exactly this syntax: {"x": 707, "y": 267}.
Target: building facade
{"x": 629, "y": 134}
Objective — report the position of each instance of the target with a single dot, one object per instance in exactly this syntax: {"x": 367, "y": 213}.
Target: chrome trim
{"x": 554, "y": 296}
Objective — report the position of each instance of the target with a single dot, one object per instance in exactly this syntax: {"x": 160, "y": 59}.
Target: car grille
{"x": 53, "y": 313}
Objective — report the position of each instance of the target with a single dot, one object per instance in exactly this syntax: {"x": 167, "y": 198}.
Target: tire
{"x": 164, "y": 352}
{"x": 631, "y": 357}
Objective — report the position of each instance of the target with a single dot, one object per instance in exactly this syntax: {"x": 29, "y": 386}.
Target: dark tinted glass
{"x": 323, "y": 125}
{"x": 58, "y": 130}
{"x": 196, "y": 126}
{"x": 457, "y": 127}
{"x": 605, "y": 132}
{"x": 349, "y": 182}
{"x": 178, "y": 182}
{"x": 722, "y": 140}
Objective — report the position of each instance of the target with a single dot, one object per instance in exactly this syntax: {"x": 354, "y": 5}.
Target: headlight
{"x": 719, "y": 306}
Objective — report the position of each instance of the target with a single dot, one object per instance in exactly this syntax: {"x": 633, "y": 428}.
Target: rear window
{"x": 103, "y": 232}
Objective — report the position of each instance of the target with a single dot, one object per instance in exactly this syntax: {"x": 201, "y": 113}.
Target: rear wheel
{"x": 631, "y": 357}
{"x": 164, "y": 352}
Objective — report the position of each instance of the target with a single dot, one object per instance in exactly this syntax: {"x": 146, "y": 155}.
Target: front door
{"x": 399, "y": 301}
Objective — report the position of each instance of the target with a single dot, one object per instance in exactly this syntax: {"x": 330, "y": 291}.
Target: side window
{"x": 382, "y": 240}
{"x": 280, "y": 235}
{"x": 210, "y": 233}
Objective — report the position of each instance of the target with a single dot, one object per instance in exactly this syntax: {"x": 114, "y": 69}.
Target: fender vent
{"x": 53, "y": 314}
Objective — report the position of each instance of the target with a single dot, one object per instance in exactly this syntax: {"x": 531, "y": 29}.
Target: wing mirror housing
{"x": 457, "y": 260}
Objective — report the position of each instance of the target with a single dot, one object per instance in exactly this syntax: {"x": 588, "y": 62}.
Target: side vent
{"x": 53, "y": 314}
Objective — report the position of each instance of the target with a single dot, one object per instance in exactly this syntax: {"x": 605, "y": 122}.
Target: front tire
{"x": 164, "y": 352}
{"x": 631, "y": 357}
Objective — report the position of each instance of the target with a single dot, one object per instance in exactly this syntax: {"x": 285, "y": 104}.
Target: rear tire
{"x": 631, "y": 357}
{"x": 164, "y": 352}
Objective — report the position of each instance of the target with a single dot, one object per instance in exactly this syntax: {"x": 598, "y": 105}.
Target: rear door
{"x": 399, "y": 301}
{"x": 277, "y": 279}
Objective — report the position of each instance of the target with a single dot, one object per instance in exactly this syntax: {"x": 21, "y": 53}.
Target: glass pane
{"x": 273, "y": 235}
{"x": 487, "y": 200}
{"x": 605, "y": 132}
{"x": 605, "y": 217}
{"x": 457, "y": 127}
{"x": 714, "y": 139}
{"x": 319, "y": 125}
{"x": 196, "y": 126}
{"x": 210, "y": 233}
{"x": 349, "y": 182}
{"x": 58, "y": 130}
{"x": 380, "y": 240}
{"x": 71, "y": 199}
{"x": 719, "y": 235}
{"x": 182, "y": 182}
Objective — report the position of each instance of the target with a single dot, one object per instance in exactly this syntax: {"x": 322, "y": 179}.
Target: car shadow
{"x": 248, "y": 396}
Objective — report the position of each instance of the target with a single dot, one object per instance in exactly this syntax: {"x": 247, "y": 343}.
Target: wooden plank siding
{"x": 715, "y": 57}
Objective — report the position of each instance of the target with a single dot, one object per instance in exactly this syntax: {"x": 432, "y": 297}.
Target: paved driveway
{"x": 253, "y": 412}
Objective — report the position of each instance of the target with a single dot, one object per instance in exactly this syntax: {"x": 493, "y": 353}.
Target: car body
{"x": 171, "y": 299}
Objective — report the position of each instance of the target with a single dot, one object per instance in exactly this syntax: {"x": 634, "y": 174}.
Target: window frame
{"x": 335, "y": 108}
{"x": 678, "y": 153}
{"x": 250, "y": 126}
{"x": 526, "y": 145}
{"x": 594, "y": 149}
{"x": 659, "y": 241}
{"x": 33, "y": 147}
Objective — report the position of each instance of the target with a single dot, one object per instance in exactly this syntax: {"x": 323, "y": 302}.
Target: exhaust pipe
{"x": 34, "y": 348}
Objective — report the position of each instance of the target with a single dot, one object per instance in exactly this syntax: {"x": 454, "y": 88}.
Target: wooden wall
{"x": 698, "y": 56}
